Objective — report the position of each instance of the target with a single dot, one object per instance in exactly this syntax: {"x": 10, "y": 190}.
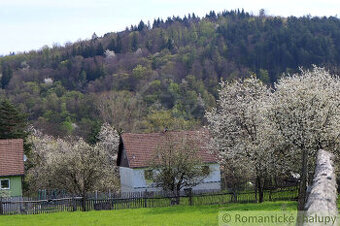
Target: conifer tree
{"x": 12, "y": 122}
{"x": 6, "y": 76}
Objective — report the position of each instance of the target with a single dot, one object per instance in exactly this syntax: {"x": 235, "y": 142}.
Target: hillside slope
{"x": 165, "y": 75}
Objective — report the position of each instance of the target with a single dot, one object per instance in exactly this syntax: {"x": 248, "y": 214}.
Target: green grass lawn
{"x": 177, "y": 215}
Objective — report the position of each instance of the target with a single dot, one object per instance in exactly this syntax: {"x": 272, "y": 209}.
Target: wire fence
{"x": 114, "y": 201}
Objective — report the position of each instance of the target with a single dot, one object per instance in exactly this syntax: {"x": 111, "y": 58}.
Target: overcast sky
{"x": 31, "y": 24}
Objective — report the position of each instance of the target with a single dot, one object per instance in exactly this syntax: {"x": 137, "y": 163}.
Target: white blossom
{"x": 270, "y": 131}
{"x": 305, "y": 112}
{"x": 238, "y": 127}
{"x": 48, "y": 81}
{"x": 72, "y": 164}
{"x": 109, "y": 54}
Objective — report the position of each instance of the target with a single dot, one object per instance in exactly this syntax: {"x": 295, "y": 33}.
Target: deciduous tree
{"x": 123, "y": 110}
{"x": 72, "y": 164}
{"x": 238, "y": 127}
{"x": 177, "y": 163}
{"x": 305, "y": 111}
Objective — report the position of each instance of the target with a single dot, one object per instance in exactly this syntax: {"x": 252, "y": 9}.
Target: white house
{"x": 136, "y": 155}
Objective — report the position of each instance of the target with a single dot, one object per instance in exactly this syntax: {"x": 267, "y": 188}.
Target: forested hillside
{"x": 163, "y": 74}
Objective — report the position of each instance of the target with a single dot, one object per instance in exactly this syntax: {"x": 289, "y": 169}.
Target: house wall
{"x": 126, "y": 179}
{"x": 15, "y": 185}
{"x": 212, "y": 181}
{"x": 132, "y": 180}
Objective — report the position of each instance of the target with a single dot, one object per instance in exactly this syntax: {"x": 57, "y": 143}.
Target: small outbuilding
{"x": 136, "y": 154}
{"x": 11, "y": 166}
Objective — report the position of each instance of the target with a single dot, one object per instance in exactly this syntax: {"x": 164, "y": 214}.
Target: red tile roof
{"x": 11, "y": 157}
{"x": 140, "y": 148}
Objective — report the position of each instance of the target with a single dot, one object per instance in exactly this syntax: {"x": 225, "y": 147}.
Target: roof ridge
{"x": 168, "y": 131}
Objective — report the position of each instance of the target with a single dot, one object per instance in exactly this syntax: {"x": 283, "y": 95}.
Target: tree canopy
{"x": 171, "y": 65}
{"x": 267, "y": 132}
{"x": 12, "y": 122}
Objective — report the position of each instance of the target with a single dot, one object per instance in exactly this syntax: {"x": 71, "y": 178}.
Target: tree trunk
{"x": 260, "y": 189}
{"x": 255, "y": 187}
{"x": 235, "y": 196}
{"x": 276, "y": 184}
{"x": 302, "y": 197}
{"x": 178, "y": 199}
{"x": 83, "y": 202}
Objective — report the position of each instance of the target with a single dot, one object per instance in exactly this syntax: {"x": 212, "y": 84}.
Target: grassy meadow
{"x": 165, "y": 216}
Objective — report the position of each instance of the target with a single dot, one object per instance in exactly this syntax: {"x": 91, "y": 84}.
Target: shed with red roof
{"x": 11, "y": 166}
{"x": 136, "y": 155}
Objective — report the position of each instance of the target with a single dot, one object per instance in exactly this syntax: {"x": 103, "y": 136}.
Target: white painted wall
{"x": 126, "y": 178}
{"x": 212, "y": 181}
{"x": 133, "y": 180}
{"x": 215, "y": 174}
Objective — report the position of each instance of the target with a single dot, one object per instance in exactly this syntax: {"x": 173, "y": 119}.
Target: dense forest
{"x": 164, "y": 74}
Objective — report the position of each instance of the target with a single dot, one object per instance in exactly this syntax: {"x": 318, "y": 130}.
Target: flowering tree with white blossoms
{"x": 269, "y": 132}
{"x": 109, "y": 140}
{"x": 238, "y": 127}
{"x": 73, "y": 164}
{"x": 305, "y": 112}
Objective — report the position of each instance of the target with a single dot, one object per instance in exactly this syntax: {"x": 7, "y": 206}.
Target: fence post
{"x": 1, "y": 207}
{"x": 322, "y": 200}
{"x": 145, "y": 202}
{"x": 145, "y": 199}
{"x": 26, "y": 208}
{"x": 74, "y": 204}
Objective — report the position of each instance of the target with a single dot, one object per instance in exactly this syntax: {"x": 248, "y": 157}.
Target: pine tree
{"x": 100, "y": 49}
{"x": 118, "y": 48}
{"x": 12, "y": 122}
{"x": 134, "y": 42}
{"x": 141, "y": 26}
{"x": 6, "y": 76}
{"x": 112, "y": 45}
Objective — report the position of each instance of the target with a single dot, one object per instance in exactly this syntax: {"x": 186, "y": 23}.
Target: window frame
{"x": 148, "y": 173}
{"x": 9, "y": 184}
{"x": 206, "y": 170}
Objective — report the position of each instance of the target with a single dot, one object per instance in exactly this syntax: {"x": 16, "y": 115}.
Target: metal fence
{"x": 113, "y": 201}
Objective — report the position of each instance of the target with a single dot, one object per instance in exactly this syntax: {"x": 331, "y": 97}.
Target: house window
{"x": 4, "y": 184}
{"x": 148, "y": 175}
{"x": 205, "y": 170}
